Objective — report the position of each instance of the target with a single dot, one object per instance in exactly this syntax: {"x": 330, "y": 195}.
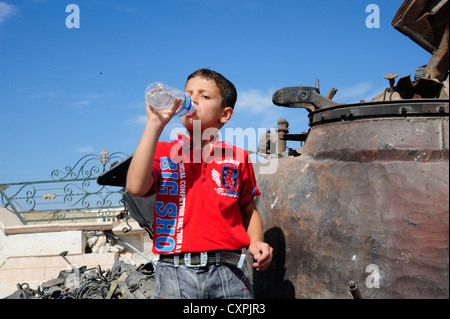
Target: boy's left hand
{"x": 262, "y": 253}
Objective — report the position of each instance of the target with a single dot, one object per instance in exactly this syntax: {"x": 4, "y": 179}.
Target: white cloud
{"x": 76, "y": 100}
{"x": 85, "y": 99}
{"x": 44, "y": 95}
{"x": 85, "y": 149}
{"x": 6, "y": 11}
{"x": 82, "y": 103}
{"x": 361, "y": 91}
{"x": 373, "y": 93}
{"x": 141, "y": 119}
{"x": 122, "y": 8}
{"x": 139, "y": 105}
{"x": 254, "y": 108}
{"x": 350, "y": 94}
{"x": 254, "y": 101}
{"x": 136, "y": 119}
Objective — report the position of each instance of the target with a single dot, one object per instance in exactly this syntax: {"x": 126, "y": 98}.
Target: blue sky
{"x": 67, "y": 92}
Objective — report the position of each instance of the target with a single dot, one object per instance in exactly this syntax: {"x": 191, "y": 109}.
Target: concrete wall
{"x": 41, "y": 244}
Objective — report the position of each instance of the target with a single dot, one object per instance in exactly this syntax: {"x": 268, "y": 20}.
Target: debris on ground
{"x": 122, "y": 281}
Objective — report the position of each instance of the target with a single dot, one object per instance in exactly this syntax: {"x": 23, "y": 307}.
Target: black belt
{"x": 202, "y": 259}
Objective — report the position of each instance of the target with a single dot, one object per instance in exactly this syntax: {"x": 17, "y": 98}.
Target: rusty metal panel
{"x": 426, "y": 23}
{"x": 366, "y": 192}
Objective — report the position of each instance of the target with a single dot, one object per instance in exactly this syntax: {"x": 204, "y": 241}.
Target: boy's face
{"x": 207, "y": 98}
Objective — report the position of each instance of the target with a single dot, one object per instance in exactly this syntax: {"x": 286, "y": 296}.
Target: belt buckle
{"x": 203, "y": 259}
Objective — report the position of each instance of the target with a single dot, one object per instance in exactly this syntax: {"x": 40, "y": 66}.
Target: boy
{"x": 204, "y": 211}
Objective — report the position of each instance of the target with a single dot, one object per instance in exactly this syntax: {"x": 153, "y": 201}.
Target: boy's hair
{"x": 227, "y": 89}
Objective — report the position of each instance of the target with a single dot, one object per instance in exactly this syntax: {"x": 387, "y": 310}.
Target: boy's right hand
{"x": 139, "y": 176}
{"x": 161, "y": 117}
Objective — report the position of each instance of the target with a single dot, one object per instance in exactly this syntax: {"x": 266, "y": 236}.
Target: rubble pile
{"x": 98, "y": 242}
{"x": 122, "y": 281}
{"x": 101, "y": 242}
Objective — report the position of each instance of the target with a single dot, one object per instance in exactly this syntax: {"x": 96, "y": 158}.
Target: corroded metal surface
{"x": 366, "y": 201}
{"x": 426, "y": 23}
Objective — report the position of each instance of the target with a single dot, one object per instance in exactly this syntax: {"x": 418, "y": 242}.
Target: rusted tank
{"x": 367, "y": 201}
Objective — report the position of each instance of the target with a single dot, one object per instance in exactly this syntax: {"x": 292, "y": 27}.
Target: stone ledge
{"x": 10, "y": 224}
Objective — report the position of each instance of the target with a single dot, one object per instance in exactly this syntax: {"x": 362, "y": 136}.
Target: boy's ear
{"x": 226, "y": 115}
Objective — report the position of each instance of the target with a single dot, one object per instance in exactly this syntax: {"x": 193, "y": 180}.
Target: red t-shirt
{"x": 198, "y": 198}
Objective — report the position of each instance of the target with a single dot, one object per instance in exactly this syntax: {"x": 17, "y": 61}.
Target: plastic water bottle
{"x": 162, "y": 96}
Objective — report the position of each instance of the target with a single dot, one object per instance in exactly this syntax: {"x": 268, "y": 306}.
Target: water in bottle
{"x": 162, "y": 96}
